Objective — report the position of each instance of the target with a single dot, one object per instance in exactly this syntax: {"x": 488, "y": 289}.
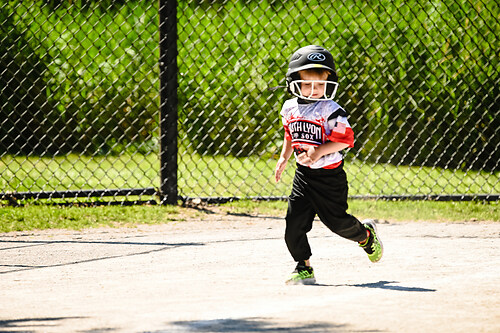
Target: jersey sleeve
{"x": 288, "y": 136}
{"x": 339, "y": 128}
{"x": 284, "y": 120}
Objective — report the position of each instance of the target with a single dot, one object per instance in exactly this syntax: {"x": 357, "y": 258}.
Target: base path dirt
{"x": 228, "y": 274}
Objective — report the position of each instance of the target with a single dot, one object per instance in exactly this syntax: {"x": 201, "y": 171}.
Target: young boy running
{"x": 316, "y": 131}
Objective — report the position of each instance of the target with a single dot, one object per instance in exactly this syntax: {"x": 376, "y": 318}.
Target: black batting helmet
{"x": 309, "y": 57}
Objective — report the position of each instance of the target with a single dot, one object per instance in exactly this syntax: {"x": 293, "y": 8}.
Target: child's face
{"x": 310, "y": 89}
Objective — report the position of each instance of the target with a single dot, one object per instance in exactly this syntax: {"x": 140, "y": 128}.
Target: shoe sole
{"x": 301, "y": 282}
{"x": 374, "y": 227}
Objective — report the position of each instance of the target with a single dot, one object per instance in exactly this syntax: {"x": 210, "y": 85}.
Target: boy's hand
{"x": 280, "y": 167}
{"x": 310, "y": 156}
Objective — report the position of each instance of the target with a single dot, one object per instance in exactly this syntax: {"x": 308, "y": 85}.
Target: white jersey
{"x": 314, "y": 124}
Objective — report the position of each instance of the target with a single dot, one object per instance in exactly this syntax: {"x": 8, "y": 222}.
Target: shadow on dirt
{"x": 379, "y": 285}
{"x": 254, "y": 325}
{"x": 20, "y": 267}
{"x": 387, "y": 285}
{"x": 48, "y": 242}
{"x": 31, "y": 324}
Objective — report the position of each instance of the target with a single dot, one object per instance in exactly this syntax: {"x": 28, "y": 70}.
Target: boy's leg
{"x": 329, "y": 198}
{"x": 330, "y": 202}
{"x": 299, "y": 218}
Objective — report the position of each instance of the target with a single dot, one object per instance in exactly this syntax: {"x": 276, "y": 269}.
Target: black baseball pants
{"x": 321, "y": 192}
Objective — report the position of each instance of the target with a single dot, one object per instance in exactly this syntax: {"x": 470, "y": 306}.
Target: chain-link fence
{"x": 95, "y": 102}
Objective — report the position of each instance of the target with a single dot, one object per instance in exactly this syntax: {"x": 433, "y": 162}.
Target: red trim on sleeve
{"x": 347, "y": 137}
{"x": 288, "y": 137}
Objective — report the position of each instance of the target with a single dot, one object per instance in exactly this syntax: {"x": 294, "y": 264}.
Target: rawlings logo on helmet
{"x": 316, "y": 57}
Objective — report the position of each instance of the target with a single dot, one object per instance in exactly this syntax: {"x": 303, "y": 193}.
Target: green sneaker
{"x": 373, "y": 246}
{"x": 302, "y": 275}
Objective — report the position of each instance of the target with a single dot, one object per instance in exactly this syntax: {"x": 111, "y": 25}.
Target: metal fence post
{"x": 168, "y": 101}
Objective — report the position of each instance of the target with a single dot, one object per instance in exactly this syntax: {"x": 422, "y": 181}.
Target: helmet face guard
{"x": 311, "y": 57}
{"x": 329, "y": 89}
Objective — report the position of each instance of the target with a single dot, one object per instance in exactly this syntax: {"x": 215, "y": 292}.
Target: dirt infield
{"x": 228, "y": 275}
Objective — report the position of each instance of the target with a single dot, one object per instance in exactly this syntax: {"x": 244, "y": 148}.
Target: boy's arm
{"x": 315, "y": 153}
{"x": 286, "y": 152}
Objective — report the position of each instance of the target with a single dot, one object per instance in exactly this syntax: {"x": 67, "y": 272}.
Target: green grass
{"x": 387, "y": 179}
{"x": 70, "y": 172}
{"x": 37, "y": 217}
{"x": 32, "y": 217}
{"x": 218, "y": 176}
{"x": 222, "y": 176}
{"x": 394, "y": 211}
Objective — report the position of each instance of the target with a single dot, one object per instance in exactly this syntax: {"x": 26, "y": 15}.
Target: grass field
{"x": 32, "y": 217}
{"x": 219, "y": 176}
{"x": 223, "y": 176}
